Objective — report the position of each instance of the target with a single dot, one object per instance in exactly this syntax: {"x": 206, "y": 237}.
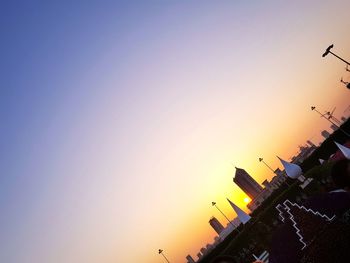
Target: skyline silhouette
{"x": 121, "y": 120}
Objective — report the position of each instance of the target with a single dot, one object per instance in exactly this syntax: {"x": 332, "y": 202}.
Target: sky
{"x": 121, "y": 121}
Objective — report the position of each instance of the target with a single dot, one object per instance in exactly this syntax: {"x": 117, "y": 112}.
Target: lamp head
{"x": 327, "y": 50}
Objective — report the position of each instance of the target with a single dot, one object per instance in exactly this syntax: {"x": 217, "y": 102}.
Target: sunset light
{"x": 122, "y": 121}
{"x": 247, "y": 200}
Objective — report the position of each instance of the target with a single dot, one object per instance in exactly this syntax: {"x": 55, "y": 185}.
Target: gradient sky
{"x": 120, "y": 120}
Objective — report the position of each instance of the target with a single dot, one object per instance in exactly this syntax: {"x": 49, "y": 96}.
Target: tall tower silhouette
{"x": 247, "y": 183}
{"x": 218, "y": 227}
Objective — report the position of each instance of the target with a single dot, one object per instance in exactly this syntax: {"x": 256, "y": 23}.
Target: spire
{"x": 234, "y": 166}
{"x": 344, "y": 150}
{"x": 243, "y": 216}
{"x": 237, "y": 170}
{"x": 293, "y": 171}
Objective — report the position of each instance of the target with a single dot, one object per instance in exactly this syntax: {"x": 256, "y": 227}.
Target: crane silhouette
{"x": 313, "y": 108}
{"x": 330, "y": 116}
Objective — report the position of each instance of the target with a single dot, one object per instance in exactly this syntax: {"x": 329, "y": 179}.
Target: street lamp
{"x": 160, "y": 251}
{"x": 328, "y": 50}
{"x": 313, "y": 108}
{"x": 214, "y": 204}
{"x": 268, "y": 166}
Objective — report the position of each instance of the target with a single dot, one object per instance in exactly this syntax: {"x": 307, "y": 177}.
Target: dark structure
{"x": 247, "y": 183}
{"x": 328, "y": 51}
{"x": 218, "y": 227}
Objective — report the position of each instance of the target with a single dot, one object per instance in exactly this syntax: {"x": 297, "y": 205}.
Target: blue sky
{"x": 120, "y": 120}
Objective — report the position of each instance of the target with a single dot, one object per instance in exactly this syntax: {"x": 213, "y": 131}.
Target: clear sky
{"x": 120, "y": 119}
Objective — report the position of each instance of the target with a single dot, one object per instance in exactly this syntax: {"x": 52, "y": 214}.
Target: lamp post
{"x": 268, "y": 166}
{"x": 331, "y": 116}
{"x": 160, "y": 251}
{"x": 313, "y": 108}
{"x": 214, "y": 204}
{"x": 328, "y": 50}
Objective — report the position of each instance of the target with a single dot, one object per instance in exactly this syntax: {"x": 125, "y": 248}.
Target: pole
{"x": 165, "y": 258}
{"x": 160, "y": 251}
{"x": 328, "y": 50}
{"x": 268, "y": 166}
{"x": 322, "y": 115}
{"x": 335, "y": 119}
{"x": 214, "y": 204}
{"x": 339, "y": 58}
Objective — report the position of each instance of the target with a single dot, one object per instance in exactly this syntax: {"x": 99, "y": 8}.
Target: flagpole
{"x": 160, "y": 251}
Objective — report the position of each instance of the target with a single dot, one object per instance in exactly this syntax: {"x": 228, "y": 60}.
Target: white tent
{"x": 293, "y": 171}
{"x": 344, "y": 150}
{"x": 243, "y": 216}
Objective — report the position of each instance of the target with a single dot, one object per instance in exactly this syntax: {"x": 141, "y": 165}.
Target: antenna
{"x": 331, "y": 116}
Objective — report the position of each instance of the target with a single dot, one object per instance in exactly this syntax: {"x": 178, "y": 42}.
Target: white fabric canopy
{"x": 243, "y": 216}
{"x": 344, "y": 150}
{"x": 293, "y": 171}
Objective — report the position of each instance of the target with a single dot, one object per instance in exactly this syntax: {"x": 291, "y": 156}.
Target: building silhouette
{"x": 247, "y": 183}
{"x": 325, "y": 134}
{"x": 190, "y": 259}
{"x": 310, "y": 143}
{"x": 218, "y": 227}
{"x": 334, "y": 127}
